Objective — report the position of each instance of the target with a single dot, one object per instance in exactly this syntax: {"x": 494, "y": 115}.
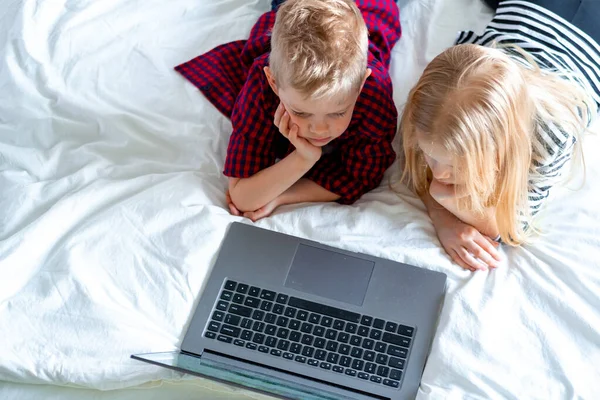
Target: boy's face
{"x": 319, "y": 121}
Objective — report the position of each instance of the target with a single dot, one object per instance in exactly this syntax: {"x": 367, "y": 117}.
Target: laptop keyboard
{"x": 302, "y": 331}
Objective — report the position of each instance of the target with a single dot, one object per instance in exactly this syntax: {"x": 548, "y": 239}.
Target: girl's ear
{"x": 271, "y": 80}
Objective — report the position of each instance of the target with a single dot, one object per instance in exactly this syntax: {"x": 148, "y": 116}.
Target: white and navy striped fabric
{"x": 556, "y": 45}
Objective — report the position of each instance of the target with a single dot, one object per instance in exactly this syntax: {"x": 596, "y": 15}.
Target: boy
{"x": 314, "y": 94}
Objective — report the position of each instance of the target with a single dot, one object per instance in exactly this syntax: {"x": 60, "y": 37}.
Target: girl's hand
{"x": 466, "y": 245}
{"x": 290, "y": 131}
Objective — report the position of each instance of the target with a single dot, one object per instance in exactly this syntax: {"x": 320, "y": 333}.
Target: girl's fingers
{"x": 488, "y": 253}
{"x": 469, "y": 259}
{"x": 460, "y": 262}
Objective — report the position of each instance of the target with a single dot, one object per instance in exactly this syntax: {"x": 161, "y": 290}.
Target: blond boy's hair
{"x": 319, "y": 47}
{"x": 484, "y": 109}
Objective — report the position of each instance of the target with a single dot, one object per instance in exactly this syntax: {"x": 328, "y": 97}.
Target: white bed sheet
{"x": 112, "y": 205}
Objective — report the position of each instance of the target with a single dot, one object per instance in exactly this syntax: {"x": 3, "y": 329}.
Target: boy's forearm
{"x": 306, "y": 190}
{"x": 249, "y": 194}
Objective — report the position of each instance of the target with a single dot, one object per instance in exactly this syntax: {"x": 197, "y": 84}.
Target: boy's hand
{"x": 290, "y": 131}
{"x": 262, "y": 212}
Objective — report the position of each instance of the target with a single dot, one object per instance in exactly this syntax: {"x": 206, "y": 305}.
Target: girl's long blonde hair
{"x": 484, "y": 108}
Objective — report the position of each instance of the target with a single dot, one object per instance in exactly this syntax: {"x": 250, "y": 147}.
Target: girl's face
{"x": 439, "y": 161}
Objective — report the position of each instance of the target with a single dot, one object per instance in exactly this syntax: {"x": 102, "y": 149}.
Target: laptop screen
{"x": 241, "y": 377}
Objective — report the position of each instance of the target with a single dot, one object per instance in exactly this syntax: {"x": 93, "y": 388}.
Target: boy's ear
{"x": 367, "y": 74}
{"x": 271, "y": 80}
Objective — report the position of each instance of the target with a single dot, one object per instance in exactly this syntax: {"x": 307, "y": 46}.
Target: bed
{"x": 112, "y": 211}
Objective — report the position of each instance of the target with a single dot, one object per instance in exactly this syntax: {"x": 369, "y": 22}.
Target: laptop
{"x": 296, "y": 319}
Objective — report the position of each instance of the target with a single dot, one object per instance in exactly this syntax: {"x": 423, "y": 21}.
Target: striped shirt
{"x": 556, "y": 46}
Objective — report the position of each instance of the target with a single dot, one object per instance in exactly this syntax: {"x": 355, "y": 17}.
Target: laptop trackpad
{"x": 330, "y": 274}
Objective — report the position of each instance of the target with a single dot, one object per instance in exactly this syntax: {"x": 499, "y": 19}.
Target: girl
{"x": 490, "y": 125}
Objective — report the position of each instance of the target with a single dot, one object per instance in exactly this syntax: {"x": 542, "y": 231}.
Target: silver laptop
{"x": 300, "y": 320}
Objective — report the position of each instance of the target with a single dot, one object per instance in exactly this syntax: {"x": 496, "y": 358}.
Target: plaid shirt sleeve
{"x": 251, "y": 145}
{"x": 382, "y": 18}
{"x": 365, "y": 150}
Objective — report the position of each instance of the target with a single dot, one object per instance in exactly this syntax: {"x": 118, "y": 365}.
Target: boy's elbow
{"x": 241, "y": 202}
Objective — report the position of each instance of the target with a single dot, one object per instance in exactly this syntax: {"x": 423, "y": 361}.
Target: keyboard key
{"x": 314, "y": 318}
{"x": 396, "y": 339}
{"x": 282, "y": 321}
{"x": 332, "y": 346}
{"x": 239, "y": 342}
{"x": 363, "y": 331}
{"x": 351, "y": 328}
{"x": 283, "y": 345}
{"x": 302, "y": 315}
{"x": 258, "y": 338}
{"x": 233, "y": 319}
{"x": 375, "y": 334}
{"x": 355, "y": 340}
{"x": 223, "y": 338}
{"x": 380, "y": 347}
{"x": 375, "y": 378}
{"x": 395, "y": 362}
{"x": 300, "y": 359}
{"x": 266, "y": 305}
{"x": 296, "y": 348}
{"x": 378, "y": 323}
{"x": 282, "y": 298}
{"x": 251, "y": 346}
{"x": 278, "y": 309}
{"x": 320, "y": 355}
{"x": 366, "y": 320}
{"x": 356, "y": 352}
{"x": 240, "y": 310}
{"x": 325, "y": 365}
{"x": 230, "y": 330}
{"x": 345, "y": 361}
{"x": 295, "y": 336}
{"x": 241, "y": 288}
{"x": 370, "y": 367}
{"x": 383, "y": 371}
{"x": 275, "y": 352}
{"x": 368, "y": 344}
{"x": 290, "y": 312}
{"x": 254, "y": 291}
{"x": 246, "y": 334}
{"x": 363, "y": 375}
{"x": 343, "y": 337}
{"x": 381, "y": 359}
{"x": 314, "y": 363}
{"x": 320, "y": 343}
{"x": 271, "y": 330}
{"x": 405, "y": 330}
{"x": 230, "y": 285}
{"x": 369, "y": 355}
{"x": 391, "y": 326}
{"x": 307, "y": 339}
{"x": 218, "y": 316}
{"x": 350, "y": 372}
{"x": 318, "y": 331}
{"x": 333, "y": 358}
{"x": 339, "y": 324}
{"x": 397, "y": 351}
{"x": 271, "y": 341}
{"x": 222, "y": 305}
{"x": 210, "y": 335}
{"x": 258, "y": 315}
{"x": 389, "y": 382}
{"x": 263, "y": 349}
{"x": 338, "y": 369}
{"x": 288, "y": 356}
{"x": 283, "y": 333}
{"x": 331, "y": 334}
{"x": 308, "y": 351}
{"x": 344, "y": 349}
{"x": 270, "y": 318}
{"x": 326, "y": 321}
{"x": 324, "y": 309}
{"x": 252, "y": 302}
{"x": 246, "y": 323}
{"x": 267, "y": 295}
{"x": 226, "y": 295}
{"x": 294, "y": 324}
{"x": 258, "y": 326}
{"x": 395, "y": 374}
{"x": 306, "y": 327}
{"x": 214, "y": 326}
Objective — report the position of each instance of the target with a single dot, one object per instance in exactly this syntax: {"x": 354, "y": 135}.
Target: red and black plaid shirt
{"x": 231, "y": 76}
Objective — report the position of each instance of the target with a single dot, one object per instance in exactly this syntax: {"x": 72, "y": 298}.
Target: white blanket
{"x": 112, "y": 209}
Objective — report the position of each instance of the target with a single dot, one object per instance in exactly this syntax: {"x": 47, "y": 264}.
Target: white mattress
{"x": 112, "y": 211}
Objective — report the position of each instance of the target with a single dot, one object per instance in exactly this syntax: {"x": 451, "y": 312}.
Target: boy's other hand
{"x": 291, "y": 132}
{"x": 255, "y": 215}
